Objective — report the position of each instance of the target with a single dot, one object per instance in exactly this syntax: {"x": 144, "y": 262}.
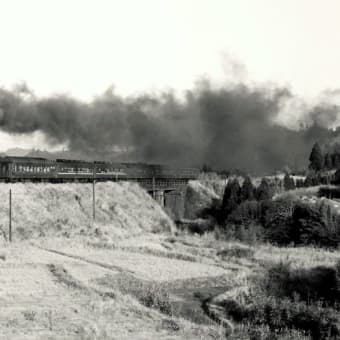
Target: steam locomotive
{"x": 16, "y": 169}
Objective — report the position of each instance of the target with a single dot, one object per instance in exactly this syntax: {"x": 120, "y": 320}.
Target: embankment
{"x": 45, "y": 209}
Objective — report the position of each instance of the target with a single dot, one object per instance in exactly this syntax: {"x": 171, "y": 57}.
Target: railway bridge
{"x": 165, "y": 183}
{"x": 169, "y": 193}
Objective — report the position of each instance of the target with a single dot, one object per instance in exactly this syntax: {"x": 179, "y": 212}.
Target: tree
{"x": 308, "y": 181}
{"x": 316, "y": 159}
{"x": 247, "y": 190}
{"x": 231, "y": 197}
{"x": 336, "y": 162}
{"x": 299, "y": 183}
{"x": 263, "y": 191}
{"x": 328, "y": 161}
{"x": 288, "y": 182}
{"x": 206, "y": 168}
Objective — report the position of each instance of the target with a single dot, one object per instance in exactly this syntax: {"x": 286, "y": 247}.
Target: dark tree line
{"x": 319, "y": 161}
{"x": 234, "y": 194}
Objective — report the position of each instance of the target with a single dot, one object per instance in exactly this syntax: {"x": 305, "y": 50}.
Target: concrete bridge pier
{"x": 174, "y": 204}
{"x": 158, "y": 195}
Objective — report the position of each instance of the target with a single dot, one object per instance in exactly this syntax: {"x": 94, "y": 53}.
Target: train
{"x": 37, "y": 169}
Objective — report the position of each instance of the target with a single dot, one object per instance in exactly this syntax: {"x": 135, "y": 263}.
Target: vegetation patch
{"x": 329, "y": 192}
{"x": 149, "y": 294}
{"x": 239, "y": 251}
{"x": 320, "y": 283}
{"x": 304, "y": 300}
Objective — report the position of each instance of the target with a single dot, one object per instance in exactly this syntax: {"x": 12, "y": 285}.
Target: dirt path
{"x": 143, "y": 266}
{"x": 111, "y": 267}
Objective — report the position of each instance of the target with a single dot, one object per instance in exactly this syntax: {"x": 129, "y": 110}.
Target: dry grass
{"x": 199, "y": 196}
{"x": 122, "y": 209}
{"x": 123, "y": 314}
{"x": 46, "y": 295}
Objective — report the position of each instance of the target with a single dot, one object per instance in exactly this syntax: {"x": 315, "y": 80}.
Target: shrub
{"x": 280, "y": 314}
{"x": 310, "y": 225}
{"x": 246, "y": 213}
{"x": 315, "y": 284}
{"x": 154, "y": 297}
{"x": 295, "y": 300}
{"x": 277, "y": 220}
{"x": 236, "y": 251}
{"x": 329, "y": 192}
{"x": 150, "y": 294}
{"x": 197, "y": 226}
{"x": 263, "y": 191}
{"x": 248, "y": 234}
{"x": 231, "y": 197}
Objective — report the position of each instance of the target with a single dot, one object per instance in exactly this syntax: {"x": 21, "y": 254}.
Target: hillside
{"x": 122, "y": 209}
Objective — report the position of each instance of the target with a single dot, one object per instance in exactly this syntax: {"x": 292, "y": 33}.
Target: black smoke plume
{"x": 225, "y": 128}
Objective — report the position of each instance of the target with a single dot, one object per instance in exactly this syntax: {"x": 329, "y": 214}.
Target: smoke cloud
{"x": 230, "y": 127}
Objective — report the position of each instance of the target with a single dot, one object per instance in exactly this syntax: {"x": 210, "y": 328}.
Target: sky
{"x": 82, "y": 47}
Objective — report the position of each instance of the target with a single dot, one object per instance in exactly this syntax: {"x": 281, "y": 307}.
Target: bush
{"x": 277, "y": 220}
{"x": 280, "y": 314}
{"x": 315, "y": 284}
{"x": 236, "y": 251}
{"x": 197, "y": 226}
{"x": 150, "y": 294}
{"x": 246, "y": 213}
{"x": 329, "y": 192}
{"x": 248, "y": 234}
{"x": 154, "y": 297}
{"x": 303, "y": 300}
{"x": 310, "y": 225}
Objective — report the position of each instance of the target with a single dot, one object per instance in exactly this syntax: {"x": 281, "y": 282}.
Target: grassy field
{"x": 131, "y": 275}
{"x": 150, "y": 286}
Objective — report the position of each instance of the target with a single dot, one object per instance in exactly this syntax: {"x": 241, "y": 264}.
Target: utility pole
{"x": 153, "y": 188}
{"x": 10, "y": 216}
{"x": 94, "y": 192}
